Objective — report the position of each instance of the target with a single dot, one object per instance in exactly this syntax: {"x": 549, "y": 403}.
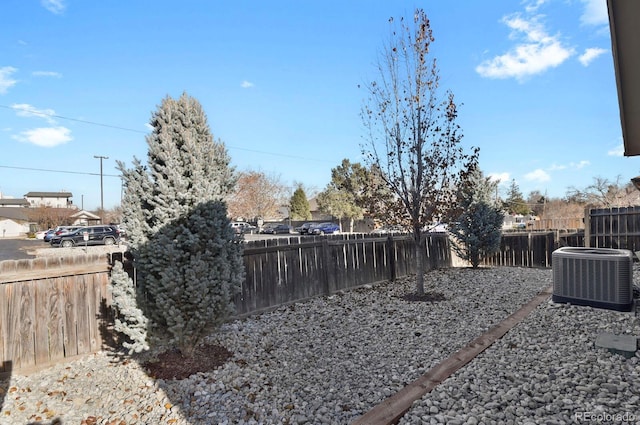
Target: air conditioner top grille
{"x": 595, "y": 253}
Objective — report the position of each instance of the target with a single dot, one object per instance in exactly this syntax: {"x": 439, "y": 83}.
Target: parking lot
{"x": 19, "y": 248}
{"x": 23, "y": 248}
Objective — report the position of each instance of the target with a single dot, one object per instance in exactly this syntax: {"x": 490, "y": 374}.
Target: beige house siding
{"x": 12, "y": 229}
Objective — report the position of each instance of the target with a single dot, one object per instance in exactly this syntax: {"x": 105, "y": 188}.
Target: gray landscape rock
{"x": 331, "y": 359}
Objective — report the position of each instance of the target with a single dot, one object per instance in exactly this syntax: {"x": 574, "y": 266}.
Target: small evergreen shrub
{"x": 192, "y": 269}
{"x": 129, "y": 320}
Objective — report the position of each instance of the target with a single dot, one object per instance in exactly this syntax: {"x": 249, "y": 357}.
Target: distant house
{"x": 12, "y": 202}
{"x": 49, "y": 199}
{"x": 316, "y": 214}
{"x": 517, "y": 221}
{"x": 14, "y": 222}
{"x": 84, "y": 218}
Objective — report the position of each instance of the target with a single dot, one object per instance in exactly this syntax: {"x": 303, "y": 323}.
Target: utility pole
{"x": 101, "y": 188}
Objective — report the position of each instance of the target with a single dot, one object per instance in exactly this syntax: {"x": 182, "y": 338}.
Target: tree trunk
{"x": 419, "y": 245}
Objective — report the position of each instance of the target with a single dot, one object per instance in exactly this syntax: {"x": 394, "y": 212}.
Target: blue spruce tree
{"x": 188, "y": 260}
{"x": 477, "y": 232}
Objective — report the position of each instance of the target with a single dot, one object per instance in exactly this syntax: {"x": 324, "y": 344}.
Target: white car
{"x": 41, "y": 233}
{"x": 437, "y": 228}
{"x": 242, "y": 227}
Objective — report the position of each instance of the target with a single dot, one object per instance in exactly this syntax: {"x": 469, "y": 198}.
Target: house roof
{"x": 85, "y": 214}
{"x": 13, "y": 213}
{"x": 625, "y": 45}
{"x": 14, "y": 202}
{"x": 49, "y": 195}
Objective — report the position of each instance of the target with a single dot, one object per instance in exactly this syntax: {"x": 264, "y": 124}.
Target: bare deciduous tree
{"x": 257, "y": 195}
{"x": 412, "y": 135}
{"x": 48, "y": 217}
{"x": 604, "y": 193}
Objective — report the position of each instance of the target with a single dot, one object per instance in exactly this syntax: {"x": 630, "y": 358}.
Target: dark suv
{"x": 96, "y": 235}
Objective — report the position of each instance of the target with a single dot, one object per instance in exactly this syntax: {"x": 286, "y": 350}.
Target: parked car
{"x": 242, "y": 227}
{"x": 121, "y": 228}
{"x": 324, "y": 229}
{"x": 40, "y": 233}
{"x": 276, "y": 229}
{"x": 65, "y": 229}
{"x": 304, "y": 228}
{"x": 388, "y": 230}
{"x": 437, "y": 228}
{"x": 97, "y": 235}
{"x": 57, "y": 231}
{"x": 48, "y": 235}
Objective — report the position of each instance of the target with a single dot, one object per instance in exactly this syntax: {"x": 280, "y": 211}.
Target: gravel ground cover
{"x": 331, "y": 359}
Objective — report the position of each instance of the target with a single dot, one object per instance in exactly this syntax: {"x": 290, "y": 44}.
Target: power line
{"x": 58, "y": 171}
{"x": 41, "y": 113}
{"x": 45, "y": 114}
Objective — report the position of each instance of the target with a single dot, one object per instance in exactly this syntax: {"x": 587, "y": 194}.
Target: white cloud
{"x": 595, "y": 12}
{"x": 54, "y": 6}
{"x": 26, "y": 110}
{"x": 534, "y": 5}
{"x": 46, "y": 74}
{"x": 617, "y": 151}
{"x": 246, "y": 84}
{"x": 536, "y": 52}
{"x": 47, "y": 137}
{"x": 571, "y": 165}
{"x": 5, "y": 78}
{"x": 590, "y": 54}
{"x": 579, "y": 165}
{"x": 149, "y": 126}
{"x": 538, "y": 175}
{"x": 556, "y": 167}
{"x": 500, "y": 177}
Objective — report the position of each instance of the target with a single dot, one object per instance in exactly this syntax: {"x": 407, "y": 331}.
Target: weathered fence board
{"x": 44, "y": 319}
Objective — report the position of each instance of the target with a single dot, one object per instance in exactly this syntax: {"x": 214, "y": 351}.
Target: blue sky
{"x": 279, "y": 83}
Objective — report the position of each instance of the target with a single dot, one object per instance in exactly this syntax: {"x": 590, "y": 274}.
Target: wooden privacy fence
{"x": 613, "y": 228}
{"x": 55, "y": 308}
{"x": 284, "y": 270}
{"x": 532, "y": 249}
{"x": 524, "y": 249}
{"x": 51, "y": 309}
{"x": 603, "y": 228}
{"x": 556, "y": 223}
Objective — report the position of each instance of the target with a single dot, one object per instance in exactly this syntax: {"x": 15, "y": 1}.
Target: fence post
{"x": 391, "y": 249}
{"x": 325, "y": 265}
{"x": 587, "y": 227}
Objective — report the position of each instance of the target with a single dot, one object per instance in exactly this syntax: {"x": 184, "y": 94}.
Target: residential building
{"x": 49, "y": 199}
{"x": 13, "y": 202}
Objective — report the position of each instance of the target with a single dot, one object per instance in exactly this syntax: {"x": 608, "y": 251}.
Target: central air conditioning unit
{"x": 596, "y": 277}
